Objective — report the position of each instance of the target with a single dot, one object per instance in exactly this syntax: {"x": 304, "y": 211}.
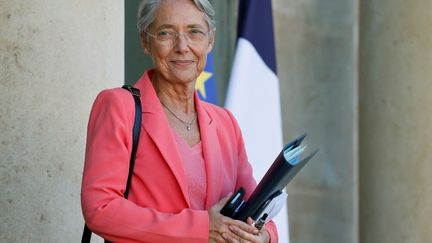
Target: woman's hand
{"x": 225, "y": 229}
{"x": 218, "y": 222}
{"x": 243, "y": 233}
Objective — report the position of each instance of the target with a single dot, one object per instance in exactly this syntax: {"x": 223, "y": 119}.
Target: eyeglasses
{"x": 168, "y": 38}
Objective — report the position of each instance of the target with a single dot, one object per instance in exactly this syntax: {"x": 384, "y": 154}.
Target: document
{"x": 268, "y": 198}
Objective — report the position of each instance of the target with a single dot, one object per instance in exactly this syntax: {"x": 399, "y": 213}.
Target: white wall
{"x": 317, "y": 65}
{"x": 396, "y": 121}
{"x": 55, "y": 56}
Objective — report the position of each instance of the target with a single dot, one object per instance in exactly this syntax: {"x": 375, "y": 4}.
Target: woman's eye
{"x": 164, "y": 34}
{"x": 196, "y": 32}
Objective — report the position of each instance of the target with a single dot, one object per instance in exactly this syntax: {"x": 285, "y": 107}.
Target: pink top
{"x": 193, "y": 162}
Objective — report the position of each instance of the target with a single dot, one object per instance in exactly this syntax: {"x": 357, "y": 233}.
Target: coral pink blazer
{"x": 158, "y": 207}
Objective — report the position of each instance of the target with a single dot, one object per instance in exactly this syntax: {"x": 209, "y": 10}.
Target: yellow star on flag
{"x": 200, "y": 83}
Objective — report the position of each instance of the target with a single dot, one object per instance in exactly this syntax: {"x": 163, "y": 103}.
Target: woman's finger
{"x": 245, "y": 227}
{"x": 231, "y": 239}
{"x": 216, "y": 237}
{"x": 244, "y": 235}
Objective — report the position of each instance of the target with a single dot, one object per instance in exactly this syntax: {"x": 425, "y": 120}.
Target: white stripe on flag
{"x": 253, "y": 97}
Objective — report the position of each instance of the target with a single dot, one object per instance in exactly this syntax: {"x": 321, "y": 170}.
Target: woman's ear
{"x": 145, "y": 44}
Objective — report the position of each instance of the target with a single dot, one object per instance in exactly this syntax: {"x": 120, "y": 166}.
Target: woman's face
{"x": 180, "y": 61}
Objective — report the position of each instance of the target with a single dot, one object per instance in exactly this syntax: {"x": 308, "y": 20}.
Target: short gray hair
{"x": 147, "y": 10}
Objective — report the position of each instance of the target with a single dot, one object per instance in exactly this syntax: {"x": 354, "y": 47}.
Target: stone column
{"x": 55, "y": 56}
{"x": 317, "y": 66}
{"x": 396, "y": 121}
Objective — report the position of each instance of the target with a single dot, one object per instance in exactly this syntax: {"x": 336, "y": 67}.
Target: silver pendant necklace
{"x": 185, "y": 123}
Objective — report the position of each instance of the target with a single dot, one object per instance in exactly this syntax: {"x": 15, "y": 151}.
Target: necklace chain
{"x": 185, "y": 123}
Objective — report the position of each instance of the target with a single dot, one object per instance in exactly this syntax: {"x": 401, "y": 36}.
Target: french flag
{"x": 253, "y": 92}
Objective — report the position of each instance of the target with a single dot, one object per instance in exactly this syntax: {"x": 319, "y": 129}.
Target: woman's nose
{"x": 181, "y": 42}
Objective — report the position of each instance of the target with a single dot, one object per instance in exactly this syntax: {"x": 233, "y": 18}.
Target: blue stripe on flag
{"x": 255, "y": 24}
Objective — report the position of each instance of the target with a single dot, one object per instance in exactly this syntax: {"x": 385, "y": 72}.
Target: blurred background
{"x": 354, "y": 74}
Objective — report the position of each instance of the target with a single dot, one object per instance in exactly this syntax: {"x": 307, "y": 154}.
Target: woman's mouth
{"x": 182, "y": 63}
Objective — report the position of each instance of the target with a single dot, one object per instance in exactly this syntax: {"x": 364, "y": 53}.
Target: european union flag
{"x": 206, "y": 82}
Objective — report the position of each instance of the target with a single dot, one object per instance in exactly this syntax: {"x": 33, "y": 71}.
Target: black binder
{"x": 271, "y": 185}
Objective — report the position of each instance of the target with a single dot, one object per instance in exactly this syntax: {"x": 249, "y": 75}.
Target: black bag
{"x": 136, "y": 131}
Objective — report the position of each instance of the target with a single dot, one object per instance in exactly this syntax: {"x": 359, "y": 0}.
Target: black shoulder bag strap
{"x": 136, "y": 132}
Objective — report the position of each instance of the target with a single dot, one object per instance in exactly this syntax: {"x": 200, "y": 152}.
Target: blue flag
{"x": 206, "y": 82}
{"x": 253, "y": 92}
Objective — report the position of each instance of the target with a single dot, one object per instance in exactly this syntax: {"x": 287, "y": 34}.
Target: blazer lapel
{"x": 211, "y": 153}
{"x": 156, "y": 125}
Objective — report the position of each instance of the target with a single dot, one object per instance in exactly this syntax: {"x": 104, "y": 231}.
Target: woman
{"x": 190, "y": 155}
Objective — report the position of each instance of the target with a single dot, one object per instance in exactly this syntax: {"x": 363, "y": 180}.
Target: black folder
{"x": 271, "y": 185}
